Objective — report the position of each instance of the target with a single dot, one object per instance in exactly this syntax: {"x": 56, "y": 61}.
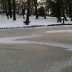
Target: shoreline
{"x": 35, "y": 26}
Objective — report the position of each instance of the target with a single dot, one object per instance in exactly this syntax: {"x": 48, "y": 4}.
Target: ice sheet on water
{"x": 15, "y": 40}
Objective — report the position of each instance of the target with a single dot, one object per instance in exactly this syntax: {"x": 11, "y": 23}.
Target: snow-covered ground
{"x": 4, "y": 22}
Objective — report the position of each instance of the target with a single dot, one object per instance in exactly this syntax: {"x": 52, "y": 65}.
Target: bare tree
{"x": 28, "y": 12}
{"x": 36, "y": 11}
{"x": 70, "y": 9}
{"x": 14, "y": 10}
{"x": 9, "y": 8}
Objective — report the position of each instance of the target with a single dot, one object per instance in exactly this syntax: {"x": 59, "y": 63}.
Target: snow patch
{"x": 4, "y": 22}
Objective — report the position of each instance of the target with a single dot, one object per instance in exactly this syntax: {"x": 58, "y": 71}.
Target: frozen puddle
{"x": 14, "y": 40}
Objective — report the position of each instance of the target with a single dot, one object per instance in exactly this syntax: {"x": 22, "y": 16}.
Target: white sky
{"x": 39, "y": 0}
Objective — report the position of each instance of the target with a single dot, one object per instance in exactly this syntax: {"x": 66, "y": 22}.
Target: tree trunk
{"x": 70, "y": 10}
{"x": 9, "y": 8}
{"x": 36, "y": 11}
{"x": 28, "y": 13}
{"x": 14, "y": 8}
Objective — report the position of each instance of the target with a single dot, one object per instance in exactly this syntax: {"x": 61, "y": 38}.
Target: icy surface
{"x": 14, "y": 40}
{"x": 59, "y": 31}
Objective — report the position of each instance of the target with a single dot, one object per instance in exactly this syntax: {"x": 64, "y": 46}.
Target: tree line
{"x": 58, "y": 9}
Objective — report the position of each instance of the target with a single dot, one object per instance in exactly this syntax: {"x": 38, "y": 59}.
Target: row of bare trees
{"x": 8, "y": 6}
{"x": 58, "y": 8}
{"x": 10, "y": 9}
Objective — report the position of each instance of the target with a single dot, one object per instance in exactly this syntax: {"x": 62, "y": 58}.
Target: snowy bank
{"x": 8, "y": 23}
